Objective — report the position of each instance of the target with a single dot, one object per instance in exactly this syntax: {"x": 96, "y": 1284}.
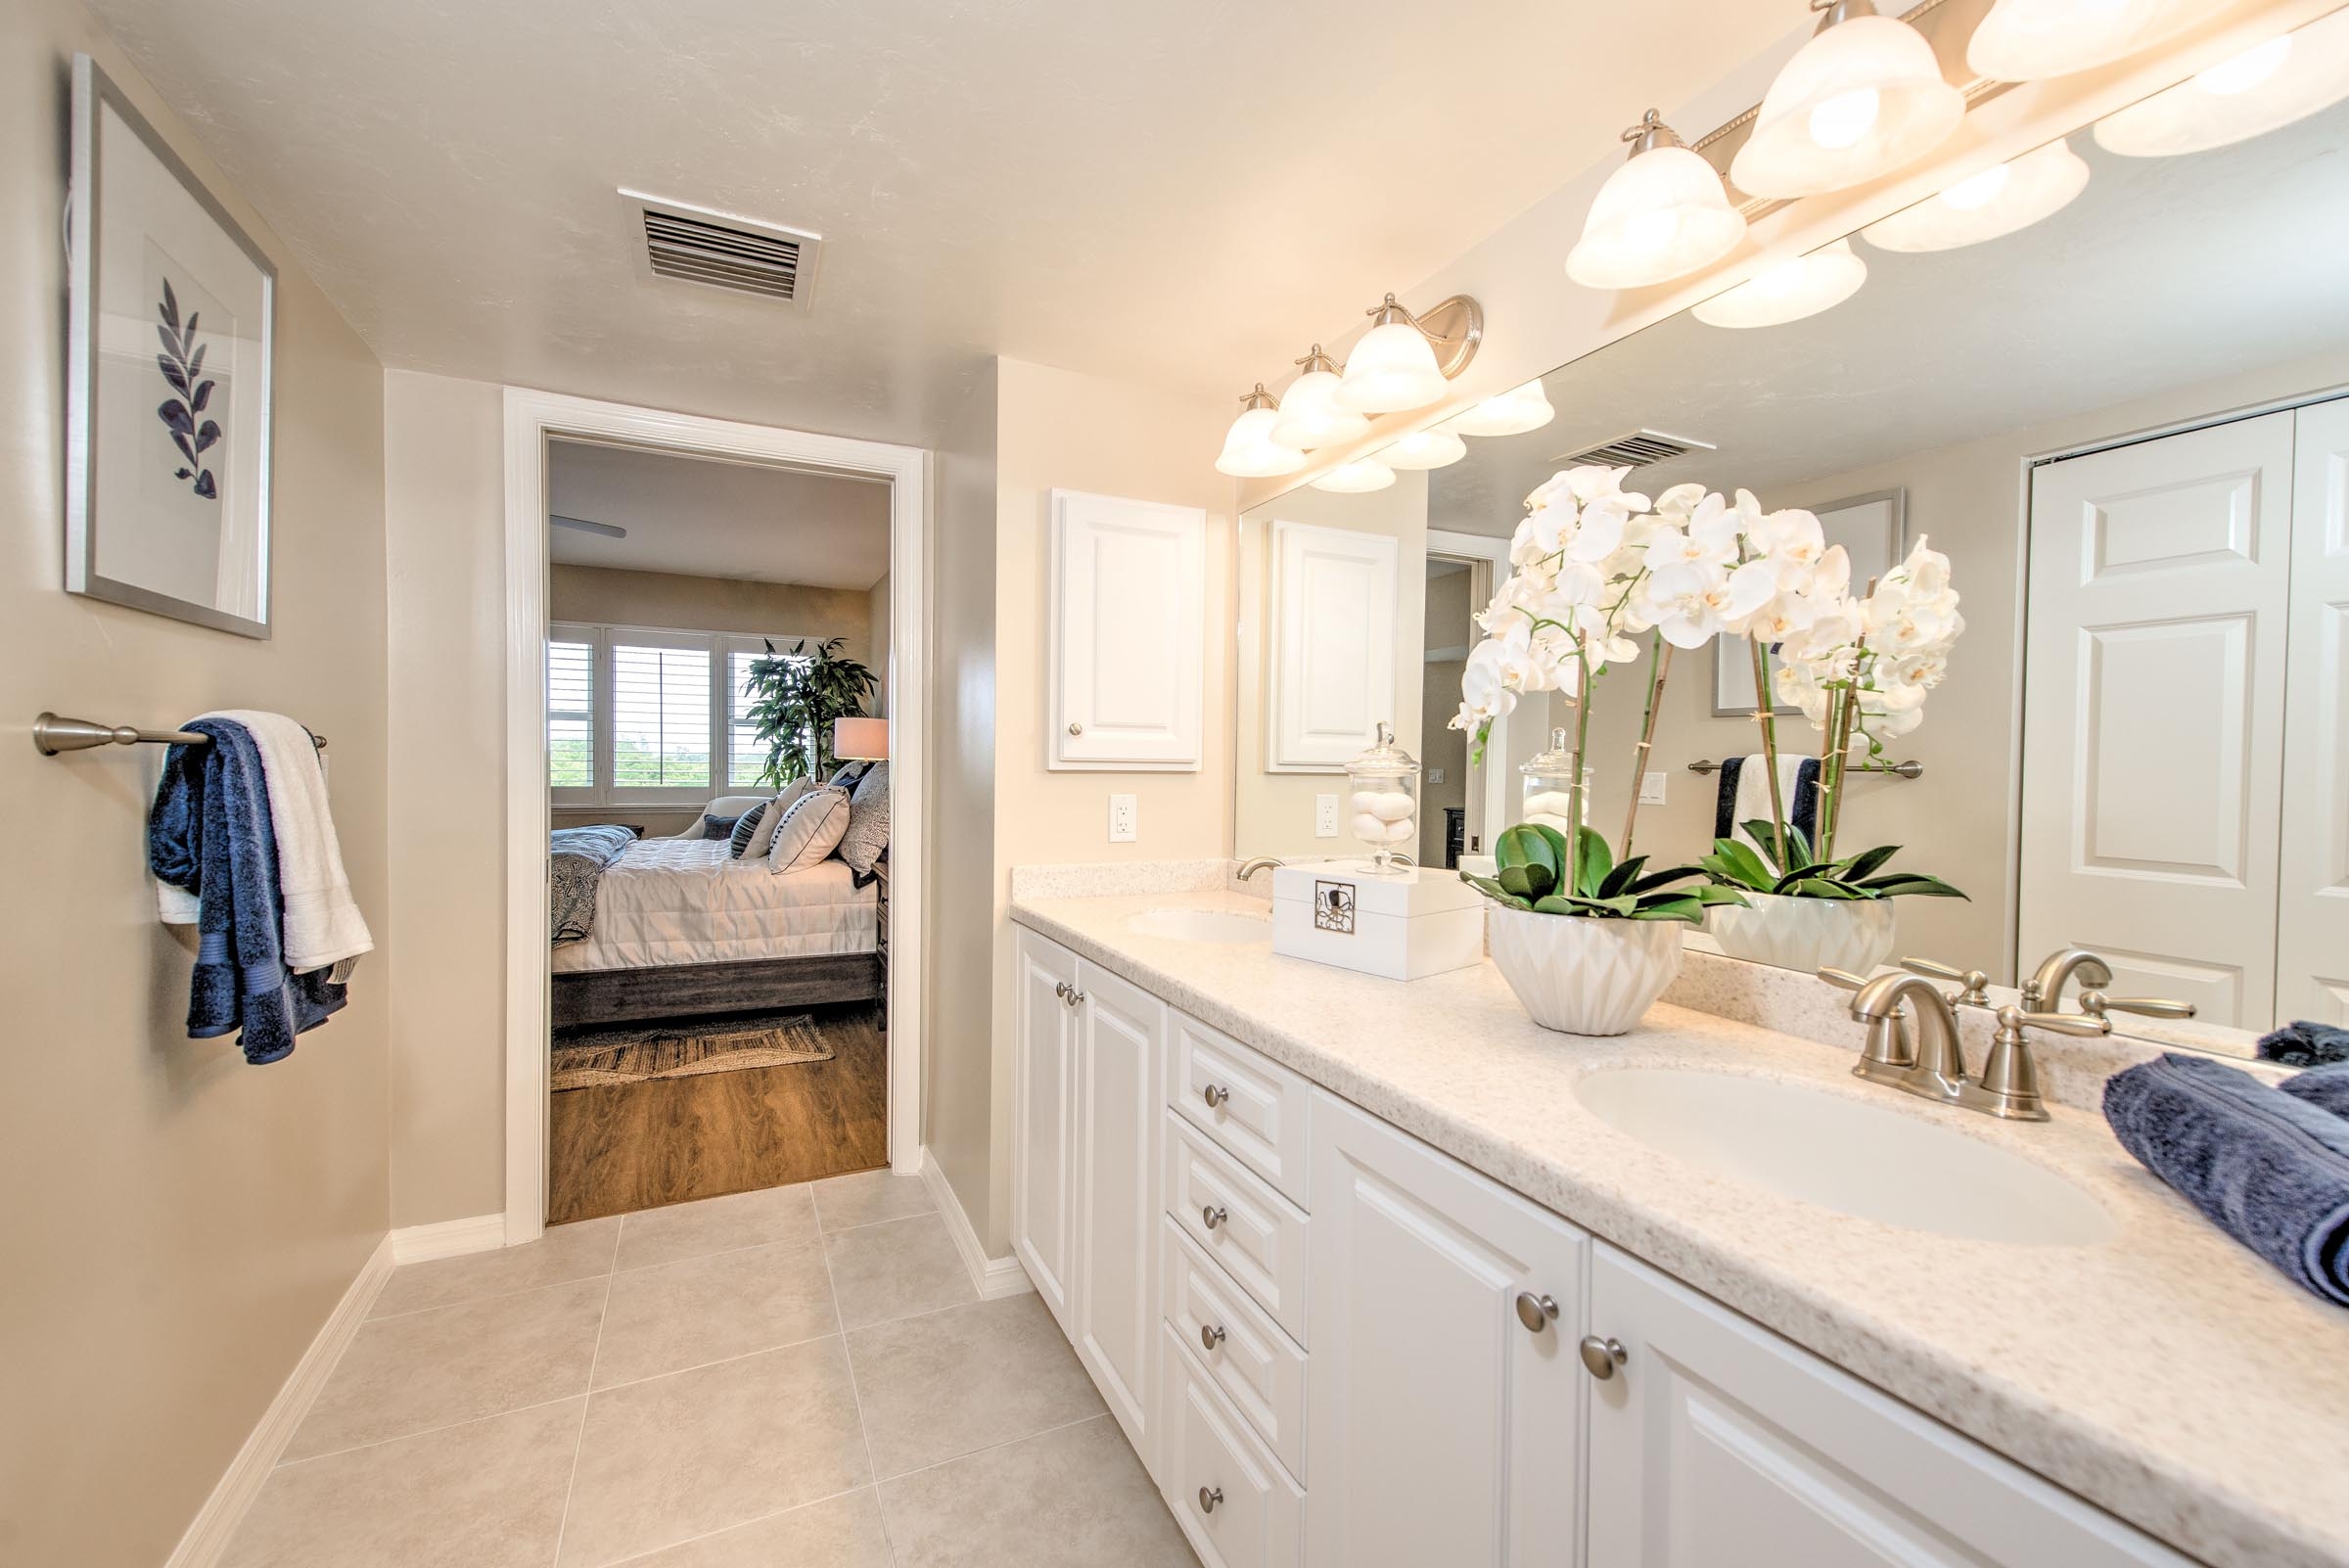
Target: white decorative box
{"x": 1406, "y": 926}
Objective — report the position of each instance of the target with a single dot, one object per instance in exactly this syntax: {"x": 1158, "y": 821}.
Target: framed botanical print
{"x": 169, "y": 359}
{"x": 1868, "y": 527}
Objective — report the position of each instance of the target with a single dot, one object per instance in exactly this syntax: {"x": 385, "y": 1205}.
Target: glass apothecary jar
{"x": 1551, "y": 783}
{"x": 1382, "y": 803}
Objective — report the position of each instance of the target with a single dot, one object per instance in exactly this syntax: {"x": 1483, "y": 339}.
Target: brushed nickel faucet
{"x": 1913, "y": 1041}
{"x": 2044, "y": 990}
{"x": 1263, "y": 863}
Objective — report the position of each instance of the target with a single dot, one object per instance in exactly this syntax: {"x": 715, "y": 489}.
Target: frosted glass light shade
{"x": 1357, "y": 478}
{"x": 1424, "y": 449}
{"x": 1862, "y": 98}
{"x": 2289, "y": 77}
{"x": 2030, "y": 40}
{"x": 2001, "y": 198}
{"x": 1312, "y": 416}
{"x": 1511, "y": 414}
{"x": 1391, "y": 368}
{"x": 1251, "y": 453}
{"x": 1661, "y": 216}
{"x": 1790, "y": 291}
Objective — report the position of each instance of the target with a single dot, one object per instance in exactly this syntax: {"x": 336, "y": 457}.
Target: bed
{"x": 682, "y": 927}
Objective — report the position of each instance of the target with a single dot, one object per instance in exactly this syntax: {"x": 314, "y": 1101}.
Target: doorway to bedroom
{"x": 718, "y": 800}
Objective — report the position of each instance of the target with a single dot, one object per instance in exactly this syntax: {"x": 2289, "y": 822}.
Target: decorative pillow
{"x": 762, "y": 838}
{"x": 720, "y": 827}
{"x": 848, "y": 773}
{"x": 867, "y": 837}
{"x": 746, "y": 827}
{"x": 810, "y": 831}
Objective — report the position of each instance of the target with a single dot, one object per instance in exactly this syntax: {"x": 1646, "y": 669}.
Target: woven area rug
{"x": 596, "y": 1057}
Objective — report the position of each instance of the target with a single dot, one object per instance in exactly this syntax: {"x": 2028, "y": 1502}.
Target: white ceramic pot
{"x": 1805, "y": 934}
{"x": 1582, "y": 976}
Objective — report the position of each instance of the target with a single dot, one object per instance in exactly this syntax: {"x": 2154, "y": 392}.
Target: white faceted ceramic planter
{"x": 1805, "y": 934}
{"x": 1582, "y": 976}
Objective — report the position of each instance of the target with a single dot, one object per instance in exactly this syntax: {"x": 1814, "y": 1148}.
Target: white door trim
{"x": 1495, "y": 553}
{"x": 530, "y": 418}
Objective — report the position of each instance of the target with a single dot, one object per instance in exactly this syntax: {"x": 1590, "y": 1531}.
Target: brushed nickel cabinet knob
{"x": 1209, "y": 1335}
{"x": 1209, "y": 1496}
{"x": 1213, "y": 1216}
{"x": 1600, "y": 1356}
{"x": 1075, "y": 728}
{"x": 1215, "y": 1094}
{"x": 1536, "y": 1312}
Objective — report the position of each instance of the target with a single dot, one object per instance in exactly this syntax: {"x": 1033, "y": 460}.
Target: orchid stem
{"x": 1766, "y": 715}
{"x": 1577, "y": 807}
{"x": 1659, "y": 666}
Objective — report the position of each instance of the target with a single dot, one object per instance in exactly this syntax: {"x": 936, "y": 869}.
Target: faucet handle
{"x": 2014, "y": 1020}
{"x": 2095, "y": 1004}
{"x": 1972, "y": 983}
{"x": 1842, "y": 976}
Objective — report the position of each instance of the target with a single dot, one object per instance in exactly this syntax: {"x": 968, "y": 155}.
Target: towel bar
{"x": 52, "y": 735}
{"x": 1897, "y": 769}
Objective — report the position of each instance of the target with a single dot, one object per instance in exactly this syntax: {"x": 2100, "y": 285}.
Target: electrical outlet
{"x": 1651, "y": 789}
{"x": 1325, "y": 817}
{"x": 1435, "y": 775}
{"x": 1124, "y": 815}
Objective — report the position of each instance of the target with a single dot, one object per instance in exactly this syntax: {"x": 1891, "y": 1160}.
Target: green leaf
{"x": 1860, "y": 867}
{"x": 1620, "y": 878}
{"x": 1766, "y": 834}
{"x": 1805, "y": 874}
{"x": 1495, "y": 892}
{"x": 1555, "y": 906}
{"x": 1592, "y": 861}
{"x": 1911, "y": 885}
{"x": 1822, "y": 887}
{"x": 1798, "y": 845}
{"x": 1527, "y": 881}
{"x": 1662, "y": 878}
{"x": 1692, "y": 910}
{"x": 1708, "y": 893}
{"x": 1745, "y": 866}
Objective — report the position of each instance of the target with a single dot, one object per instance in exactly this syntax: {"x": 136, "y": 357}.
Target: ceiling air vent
{"x": 1637, "y": 450}
{"x": 696, "y": 244}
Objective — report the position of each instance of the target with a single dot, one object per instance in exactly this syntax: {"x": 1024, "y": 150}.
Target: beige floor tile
{"x": 896, "y": 1268}
{"x": 484, "y": 1494}
{"x": 838, "y": 1533}
{"x": 565, "y": 1253}
{"x": 1075, "y": 1498}
{"x": 953, "y": 1382}
{"x": 674, "y": 1316}
{"x": 871, "y": 1196}
{"x": 447, "y": 1364}
{"x": 668, "y": 1459}
{"x": 715, "y": 1225}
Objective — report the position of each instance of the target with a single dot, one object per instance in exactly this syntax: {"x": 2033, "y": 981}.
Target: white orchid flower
{"x": 1680, "y": 501}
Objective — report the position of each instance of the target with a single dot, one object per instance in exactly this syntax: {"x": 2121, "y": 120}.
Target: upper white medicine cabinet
{"x": 1128, "y": 673}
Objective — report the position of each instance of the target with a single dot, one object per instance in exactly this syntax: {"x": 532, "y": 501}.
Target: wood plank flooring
{"x": 618, "y": 1148}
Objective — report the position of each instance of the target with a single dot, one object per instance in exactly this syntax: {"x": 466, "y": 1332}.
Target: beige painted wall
{"x": 604, "y": 596}
{"x": 178, "y": 1224}
{"x": 876, "y": 615}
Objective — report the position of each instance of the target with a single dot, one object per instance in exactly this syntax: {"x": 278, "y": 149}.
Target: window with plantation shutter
{"x": 570, "y": 712}
{"x": 639, "y": 715}
{"x": 659, "y": 715}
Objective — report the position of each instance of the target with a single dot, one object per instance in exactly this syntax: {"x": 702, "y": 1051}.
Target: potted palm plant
{"x": 794, "y": 697}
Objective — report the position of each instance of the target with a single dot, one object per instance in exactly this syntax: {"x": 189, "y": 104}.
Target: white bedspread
{"x": 686, "y": 902}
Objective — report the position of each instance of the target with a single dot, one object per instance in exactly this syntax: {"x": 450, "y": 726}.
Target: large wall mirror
{"x": 2125, "y": 423}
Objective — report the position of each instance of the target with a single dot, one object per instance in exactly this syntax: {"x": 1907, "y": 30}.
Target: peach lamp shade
{"x": 858, "y": 740}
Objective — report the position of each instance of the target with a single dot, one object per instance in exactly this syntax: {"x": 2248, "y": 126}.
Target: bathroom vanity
{"x": 1375, "y": 1272}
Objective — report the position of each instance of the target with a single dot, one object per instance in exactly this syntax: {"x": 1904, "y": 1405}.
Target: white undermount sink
{"x": 1841, "y": 1153}
{"x": 1201, "y": 925}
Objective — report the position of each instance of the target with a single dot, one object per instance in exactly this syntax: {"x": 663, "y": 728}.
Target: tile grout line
{"x": 863, "y": 1432}
{"x": 707, "y": 1534}
{"x": 578, "y": 1442}
{"x": 426, "y": 1431}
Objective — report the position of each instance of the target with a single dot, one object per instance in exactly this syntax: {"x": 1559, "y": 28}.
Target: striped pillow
{"x": 746, "y": 826}
{"x": 810, "y": 831}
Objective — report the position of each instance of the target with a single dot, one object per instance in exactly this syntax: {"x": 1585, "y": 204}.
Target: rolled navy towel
{"x": 2305, "y": 1044}
{"x": 2327, "y": 1086}
{"x": 2268, "y": 1168}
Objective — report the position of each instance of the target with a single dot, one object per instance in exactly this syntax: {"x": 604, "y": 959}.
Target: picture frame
{"x": 1871, "y": 528}
{"x": 170, "y": 352}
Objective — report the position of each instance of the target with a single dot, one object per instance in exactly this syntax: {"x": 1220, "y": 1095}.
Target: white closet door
{"x": 2312, "y": 938}
{"x": 1128, "y": 631}
{"x": 1333, "y": 645}
{"x": 2153, "y": 712}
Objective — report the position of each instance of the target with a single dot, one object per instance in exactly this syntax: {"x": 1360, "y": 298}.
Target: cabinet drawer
{"x": 1235, "y": 1503}
{"x": 1254, "y": 1108}
{"x": 1255, "y": 1233}
{"x": 1243, "y": 1352}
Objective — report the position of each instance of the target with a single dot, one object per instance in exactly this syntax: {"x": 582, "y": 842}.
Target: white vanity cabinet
{"x": 1126, "y": 676}
{"x": 1043, "y": 1193}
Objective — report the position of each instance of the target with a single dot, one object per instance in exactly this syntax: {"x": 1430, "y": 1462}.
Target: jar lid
{"x": 1559, "y": 759}
{"x": 1383, "y": 757}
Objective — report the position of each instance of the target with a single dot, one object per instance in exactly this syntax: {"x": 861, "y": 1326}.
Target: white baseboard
{"x": 207, "y": 1536}
{"x": 991, "y": 1277}
{"x": 448, "y": 1239}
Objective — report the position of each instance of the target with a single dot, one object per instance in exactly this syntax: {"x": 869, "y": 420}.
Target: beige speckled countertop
{"x": 2169, "y": 1376}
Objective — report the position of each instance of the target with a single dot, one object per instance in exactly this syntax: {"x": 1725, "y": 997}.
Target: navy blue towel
{"x": 2305, "y": 1044}
{"x": 211, "y": 833}
{"x": 1803, "y": 810}
{"x": 2326, "y": 1086}
{"x": 2266, "y": 1168}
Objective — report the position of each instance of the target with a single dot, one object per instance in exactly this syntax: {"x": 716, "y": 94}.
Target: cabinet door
{"x": 1718, "y": 1442}
{"x": 1122, "y": 1032}
{"x": 1128, "y": 616}
{"x": 1438, "y": 1428}
{"x": 2312, "y": 931}
{"x": 1044, "y": 1209}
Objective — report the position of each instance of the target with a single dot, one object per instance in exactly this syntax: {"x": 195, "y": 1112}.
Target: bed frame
{"x": 676, "y": 990}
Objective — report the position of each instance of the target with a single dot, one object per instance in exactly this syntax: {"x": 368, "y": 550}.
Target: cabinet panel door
{"x": 1121, "y": 1032}
{"x": 2312, "y": 959}
{"x": 1333, "y": 645}
{"x": 1719, "y": 1441}
{"x": 1129, "y": 612}
{"x": 1044, "y": 1209}
{"x": 1254, "y": 1108}
{"x": 1438, "y": 1428}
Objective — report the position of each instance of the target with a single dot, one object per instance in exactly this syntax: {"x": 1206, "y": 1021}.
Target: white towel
{"x": 323, "y": 923}
{"x": 1753, "y": 792}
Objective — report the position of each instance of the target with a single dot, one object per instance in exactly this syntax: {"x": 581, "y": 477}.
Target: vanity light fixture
{"x": 1310, "y": 414}
{"x": 1790, "y": 291}
{"x": 1423, "y": 448}
{"x": 1999, "y": 199}
{"x": 1357, "y": 478}
{"x": 1249, "y": 449}
{"x": 2030, "y": 40}
{"x": 1661, "y": 216}
{"x": 2289, "y": 77}
{"x": 1865, "y": 96}
{"x": 1509, "y": 413}
{"x": 1397, "y": 364}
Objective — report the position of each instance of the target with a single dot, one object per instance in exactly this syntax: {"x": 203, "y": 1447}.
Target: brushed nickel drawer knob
{"x": 1536, "y": 1312}
{"x": 1060, "y": 989}
{"x": 1209, "y": 1335}
{"x": 1215, "y": 1094}
{"x": 1075, "y": 728}
{"x": 1213, "y": 1216}
{"x": 1073, "y": 997}
{"x": 1209, "y": 1496}
{"x": 1600, "y": 1356}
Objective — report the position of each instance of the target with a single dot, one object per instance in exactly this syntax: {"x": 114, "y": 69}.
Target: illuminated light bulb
{"x": 1661, "y": 216}
{"x": 1790, "y": 291}
{"x": 2286, "y": 78}
{"x": 1864, "y": 97}
{"x": 1357, "y": 478}
{"x": 2248, "y": 70}
{"x": 1249, "y": 450}
{"x": 2030, "y": 40}
{"x": 1424, "y": 449}
{"x": 1998, "y": 201}
{"x": 1978, "y": 191}
{"x": 1310, "y": 414}
{"x": 1511, "y": 414}
{"x": 1391, "y": 368}
{"x": 1844, "y": 118}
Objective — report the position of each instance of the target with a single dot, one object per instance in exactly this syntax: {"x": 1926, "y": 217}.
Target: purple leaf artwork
{"x": 182, "y": 364}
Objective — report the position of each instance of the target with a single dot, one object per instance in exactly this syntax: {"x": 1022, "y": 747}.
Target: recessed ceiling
{"x": 703, "y": 518}
{"x": 1185, "y": 195}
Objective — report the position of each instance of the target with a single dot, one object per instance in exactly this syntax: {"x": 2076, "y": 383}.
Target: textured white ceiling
{"x": 1184, "y": 194}
{"x": 704, "y": 518}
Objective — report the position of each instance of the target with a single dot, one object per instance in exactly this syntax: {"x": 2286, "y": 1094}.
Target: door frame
{"x": 1495, "y": 553}
{"x": 532, "y": 418}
